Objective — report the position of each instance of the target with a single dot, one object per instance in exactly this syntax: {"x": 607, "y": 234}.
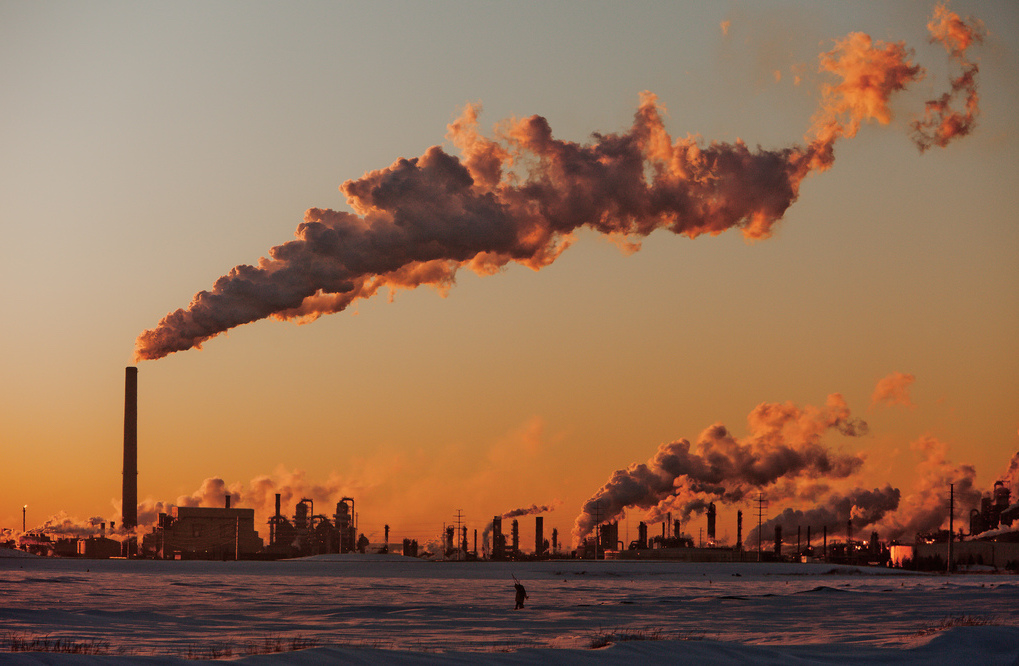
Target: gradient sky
{"x": 147, "y": 148}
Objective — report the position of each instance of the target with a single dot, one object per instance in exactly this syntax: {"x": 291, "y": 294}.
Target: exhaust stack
{"x": 129, "y": 510}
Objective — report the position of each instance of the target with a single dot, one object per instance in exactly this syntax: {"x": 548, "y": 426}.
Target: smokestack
{"x": 129, "y": 510}
{"x": 711, "y": 521}
{"x": 539, "y": 536}
{"x": 277, "y": 505}
{"x": 227, "y": 506}
{"x": 739, "y": 530}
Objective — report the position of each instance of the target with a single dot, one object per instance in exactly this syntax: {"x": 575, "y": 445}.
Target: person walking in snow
{"x": 521, "y": 593}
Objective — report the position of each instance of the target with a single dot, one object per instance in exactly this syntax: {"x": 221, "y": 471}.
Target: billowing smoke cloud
{"x": 64, "y": 525}
{"x": 926, "y": 508}
{"x": 1011, "y": 477}
{"x": 862, "y": 507}
{"x": 784, "y": 443}
{"x": 893, "y": 390}
{"x": 942, "y": 122}
{"x": 522, "y": 196}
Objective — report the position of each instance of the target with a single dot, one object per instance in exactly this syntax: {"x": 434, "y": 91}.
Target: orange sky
{"x": 150, "y": 150}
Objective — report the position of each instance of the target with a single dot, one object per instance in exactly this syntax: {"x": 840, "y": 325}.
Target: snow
{"x": 396, "y": 610}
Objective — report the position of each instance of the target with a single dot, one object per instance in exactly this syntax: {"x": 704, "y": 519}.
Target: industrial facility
{"x": 229, "y": 533}
{"x": 203, "y": 533}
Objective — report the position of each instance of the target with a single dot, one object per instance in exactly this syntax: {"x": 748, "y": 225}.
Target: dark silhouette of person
{"x": 521, "y": 595}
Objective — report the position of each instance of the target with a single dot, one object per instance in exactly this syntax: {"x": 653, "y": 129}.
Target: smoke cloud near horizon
{"x": 926, "y": 507}
{"x": 522, "y": 196}
{"x": 862, "y": 507}
{"x": 784, "y": 444}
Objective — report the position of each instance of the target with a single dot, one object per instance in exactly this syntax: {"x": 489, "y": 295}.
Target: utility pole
{"x": 762, "y": 506}
{"x": 459, "y": 517}
{"x": 951, "y": 523}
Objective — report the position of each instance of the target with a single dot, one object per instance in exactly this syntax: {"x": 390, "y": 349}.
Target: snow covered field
{"x": 404, "y": 611}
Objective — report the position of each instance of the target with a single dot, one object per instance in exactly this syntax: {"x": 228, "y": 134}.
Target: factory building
{"x": 993, "y": 511}
{"x": 203, "y": 533}
{"x": 315, "y": 534}
{"x": 99, "y": 547}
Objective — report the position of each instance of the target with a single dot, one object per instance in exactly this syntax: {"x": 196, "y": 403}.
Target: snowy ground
{"x": 405, "y": 611}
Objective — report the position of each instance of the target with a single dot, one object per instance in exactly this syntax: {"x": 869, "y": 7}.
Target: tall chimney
{"x": 129, "y": 510}
{"x": 539, "y": 537}
{"x": 739, "y": 530}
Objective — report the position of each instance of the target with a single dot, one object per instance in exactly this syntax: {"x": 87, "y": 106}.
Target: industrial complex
{"x": 231, "y": 533}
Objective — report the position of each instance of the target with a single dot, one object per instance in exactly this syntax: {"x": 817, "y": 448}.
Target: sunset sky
{"x": 147, "y": 149}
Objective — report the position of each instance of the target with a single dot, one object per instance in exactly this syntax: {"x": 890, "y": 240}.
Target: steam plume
{"x": 926, "y": 507}
{"x": 532, "y": 510}
{"x": 64, "y": 525}
{"x": 522, "y": 196}
{"x": 784, "y": 444}
{"x": 1011, "y": 477}
{"x": 862, "y": 507}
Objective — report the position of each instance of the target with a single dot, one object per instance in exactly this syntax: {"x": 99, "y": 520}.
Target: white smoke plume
{"x": 784, "y": 443}
{"x": 862, "y": 507}
{"x": 521, "y": 196}
{"x": 926, "y": 507}
{"x": 64, "y": 525}
{"x": 1011, "y": 477}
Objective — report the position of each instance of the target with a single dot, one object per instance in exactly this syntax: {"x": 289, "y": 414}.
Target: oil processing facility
{"x": 229, "y": 533}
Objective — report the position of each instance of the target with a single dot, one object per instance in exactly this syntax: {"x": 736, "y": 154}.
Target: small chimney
{"x": 277, "y": 505}
{"x": 228, "y": 501}
{"x": 102, "y": 529}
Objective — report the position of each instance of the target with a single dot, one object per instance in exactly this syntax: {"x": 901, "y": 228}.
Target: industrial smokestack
{"x": 129, "y": 510}
{"x": 227, "y": 502}
{"x": 739, "y": 530}
{"x": 539, "y": 537}
{"x": 711, "y": 521}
